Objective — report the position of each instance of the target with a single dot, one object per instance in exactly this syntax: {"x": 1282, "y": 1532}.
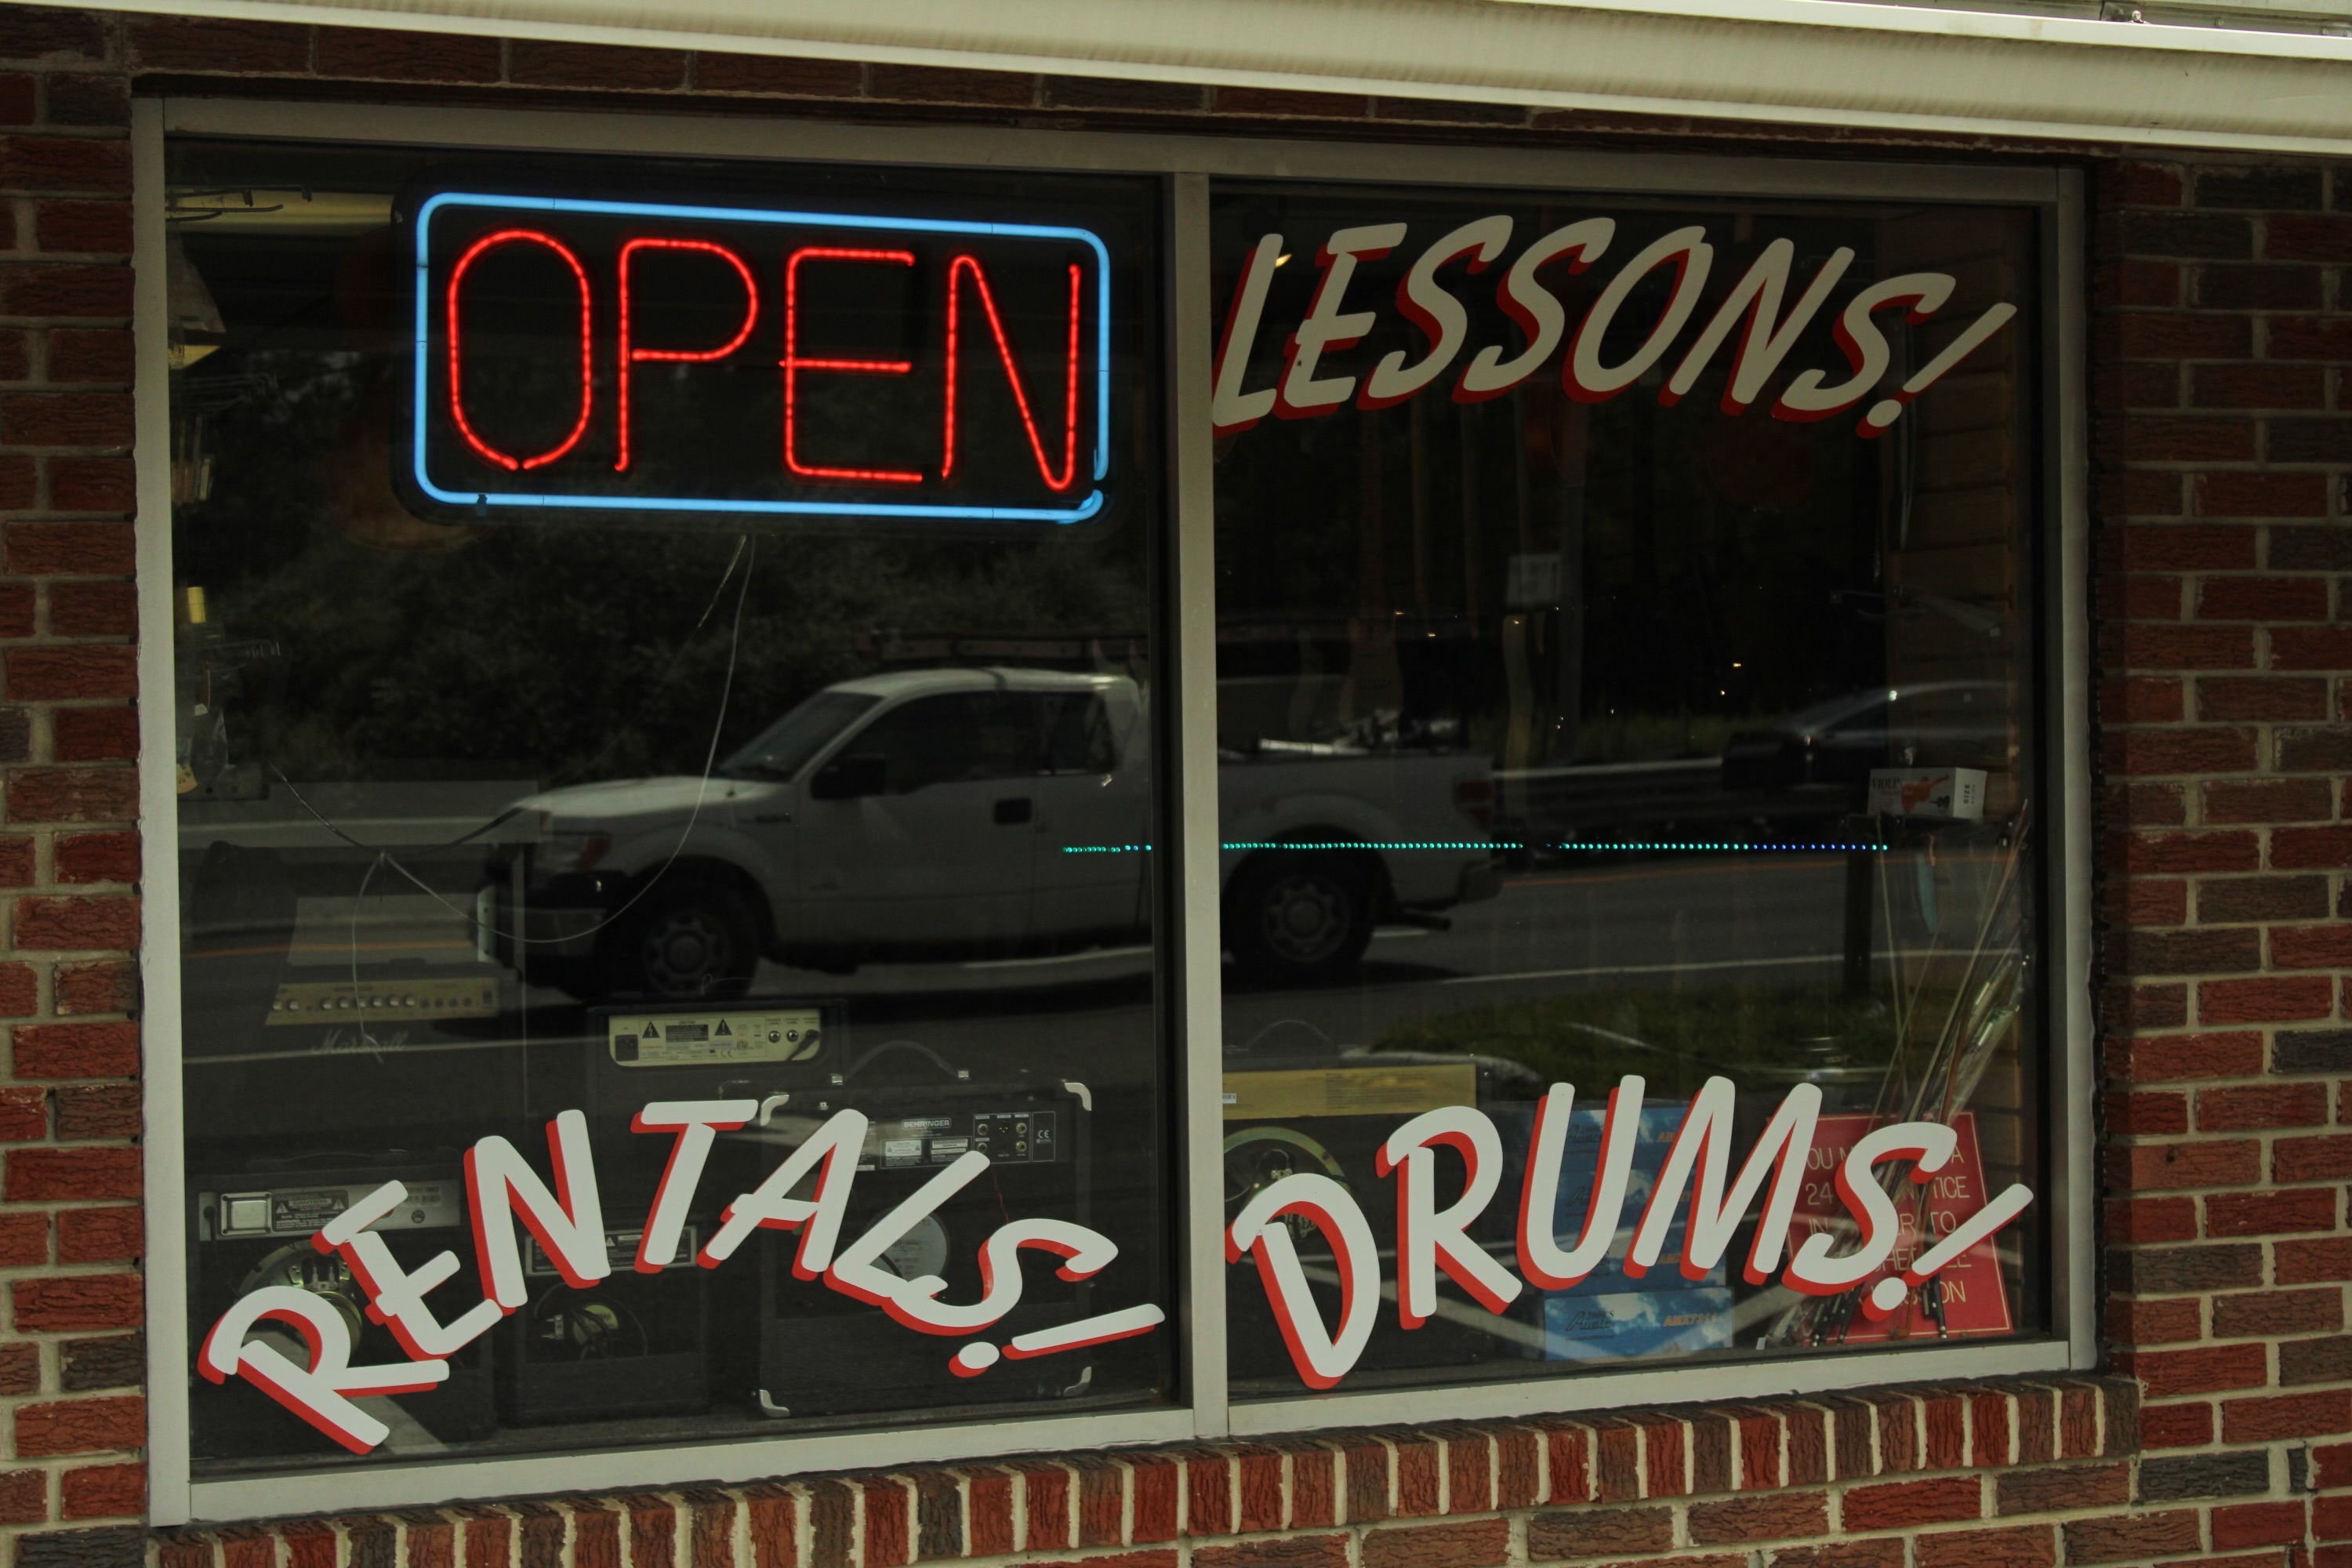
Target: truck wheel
{"x": 694, "y": 940}
{"x": 1301, "y": 921}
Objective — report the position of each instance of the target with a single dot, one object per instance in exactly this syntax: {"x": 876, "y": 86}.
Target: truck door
{"x": 1094, "y": 815}
{"x": 939, "y": 852}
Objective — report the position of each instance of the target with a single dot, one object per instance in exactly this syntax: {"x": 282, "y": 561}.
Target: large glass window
{"x": 666, "y": 772}
{"x": 1625, "y": 680}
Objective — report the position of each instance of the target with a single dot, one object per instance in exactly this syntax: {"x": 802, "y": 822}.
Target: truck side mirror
{"x": 851, "y": 778}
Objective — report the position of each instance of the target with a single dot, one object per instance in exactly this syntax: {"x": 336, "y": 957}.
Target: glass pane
{"x": 642, "y": 745}
{"x": 1621, "y": 678}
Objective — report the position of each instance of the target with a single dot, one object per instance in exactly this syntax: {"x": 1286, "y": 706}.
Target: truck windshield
{"x": 784, "y": 747}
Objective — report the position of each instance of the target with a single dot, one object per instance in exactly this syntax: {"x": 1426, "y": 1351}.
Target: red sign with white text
{"x": 1975, "y": 1299}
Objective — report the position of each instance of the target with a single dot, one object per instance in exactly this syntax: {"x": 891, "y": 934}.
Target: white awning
{"x": 1795, "y": 62}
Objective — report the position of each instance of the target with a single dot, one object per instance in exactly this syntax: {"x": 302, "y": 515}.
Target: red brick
{"x": 80, "y": 549}
{"x": 2258, "y": 1524}
{"x": 2187, "y": 751}
{"x": 2292, "y": 337}
{"x": 2257, "y": 386}
{"x": 2321, "y": 1159}
{"x": 778, "y": 78}
{"x": 933, "y": 84}
{"x": 2182, "y": 852}
{"x": 2150, "y": 646}
{"x": 65, "y": 419}
{"x": 2237, "y": 494}
{"x": 101, "y": 1235}
{"x": 2307, "y": 237}
{"x": 2271, "y": 1214}
{"x": 2169, "y": 335}
{"x": 2311, "y": 648}
{"x": 93, "y": 609}
{"x": 2139, "y": 493}
{"x": 2268, "y": 1000}
{"x": 24, "y": 1495}
{"x": 2262, "y": 1105}
{"x": 2147, "y": 1115}
{"x": 52, "y": 1175}
{"x": 95, "y": 734}
{"x": 1781, "y": 1516}
{"x": 23, "y": 1240}
{"x": 2144, "y": 1006}
{"x": 98, "y": 858}
{"x": 2178, "y": 547}
{"x": 2145, "y": 1221}
{"x": 1594, "y": 1533}
{"x": 93, "y": 1110}
{"x": 2143, "y": 805}
{"x": 2272, "y": 1314}
{"x": 2168, "y": 1374}
{"x": 80, "y": 1303}
{"x": 1276, "y": 1552}
{"x": 2142, "y": 596}
{"x": 1281, "y": 103}
{"x": 382, "y": 54}
{"x": 77, "y": 1050}
{"x": 96, "y": 922}
{"x": 89, "y": 228}
{"x": 24, "y": 1115}
{"x": 90, "y": 484}
{"x": 2235, "y": 1055}
{"x": 2262, "y": 599}
{"x": 2019, "y": 1546}
{"x": 2146, "y": 439}
{"x": 1903, "y": 1505}
{"x": 49, "y": 674}
{"x": 539, "y": 63}
{"x": 2132, "y": 1537}
{"x": 85, "y": 988}
{"x": 2148, "y": 903}
{"x": 70, "y": 289}
{"x": 2313, "y": 1262}
{"x": 2224, "y": 699}
{"x": 2289, "y": 1416}
{"x": 67, "y": 794}
{"x": 78, "y": 353}
{"x": 2171, "y": 1167}
{"x": 1468, "y": 1543}
{"x": 57, "y": 164}
{"x": 81, "y": 1426}
{"x": 2143, "y": 702}
{"x": 204, "y": 44}
{"x": 2268, "y": 800}
{"x": 2149, "y": 1323}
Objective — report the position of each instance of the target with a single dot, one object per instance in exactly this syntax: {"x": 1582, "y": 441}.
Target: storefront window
{"x": 1626, "y": 680}
{"x": 666, "y": 771}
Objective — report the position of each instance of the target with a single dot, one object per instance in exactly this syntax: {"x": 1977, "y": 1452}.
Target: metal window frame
{"x": 1204, "y": 1408}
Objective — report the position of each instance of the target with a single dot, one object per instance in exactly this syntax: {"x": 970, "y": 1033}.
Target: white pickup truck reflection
{"x": 949, "y": 814}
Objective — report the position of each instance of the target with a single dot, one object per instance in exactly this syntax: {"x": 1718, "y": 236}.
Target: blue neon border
{"x": 1079, "y": 514}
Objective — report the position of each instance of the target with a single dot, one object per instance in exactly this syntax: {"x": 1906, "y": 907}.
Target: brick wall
{"x": 2224, "y": 428}
{"x": 2224, "y": 432}
{"x": 71, "y": 1363}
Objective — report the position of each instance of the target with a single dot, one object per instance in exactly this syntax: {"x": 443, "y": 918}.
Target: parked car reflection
{"x": 956, "y": 814}
{"x": 1840, "y": 741}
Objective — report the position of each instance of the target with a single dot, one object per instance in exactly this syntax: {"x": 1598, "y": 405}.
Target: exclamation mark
{"x": 1886, "y": 411}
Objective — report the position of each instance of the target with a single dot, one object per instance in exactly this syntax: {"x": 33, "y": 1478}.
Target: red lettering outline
{"x": 956, "y": 270}
{"x": 629, "y": 356}
{"x": 793, "y": 364}
{"x": 587, "y": 351}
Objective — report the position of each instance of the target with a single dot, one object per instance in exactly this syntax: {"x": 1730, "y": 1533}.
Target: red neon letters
{"x": 793, "y": 364}
{"x": 1058, "y": 469}
{"x": 956, "y": 270}
{"x": 630, "y": 356}
{"x": 474, "y": 253}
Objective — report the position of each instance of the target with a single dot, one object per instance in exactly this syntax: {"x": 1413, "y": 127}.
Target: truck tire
{"x": 1298, "y": 919}
{"x": 692, "y": 939}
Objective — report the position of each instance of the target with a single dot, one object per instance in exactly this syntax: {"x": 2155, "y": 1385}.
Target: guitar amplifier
{"x": 630, "y": 1344}
{"x": 253, "y": 1229}
{"x": 820, "y": 1352}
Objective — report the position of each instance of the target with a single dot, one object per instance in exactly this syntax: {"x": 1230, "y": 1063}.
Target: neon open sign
{"x": 645, "y": 357}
